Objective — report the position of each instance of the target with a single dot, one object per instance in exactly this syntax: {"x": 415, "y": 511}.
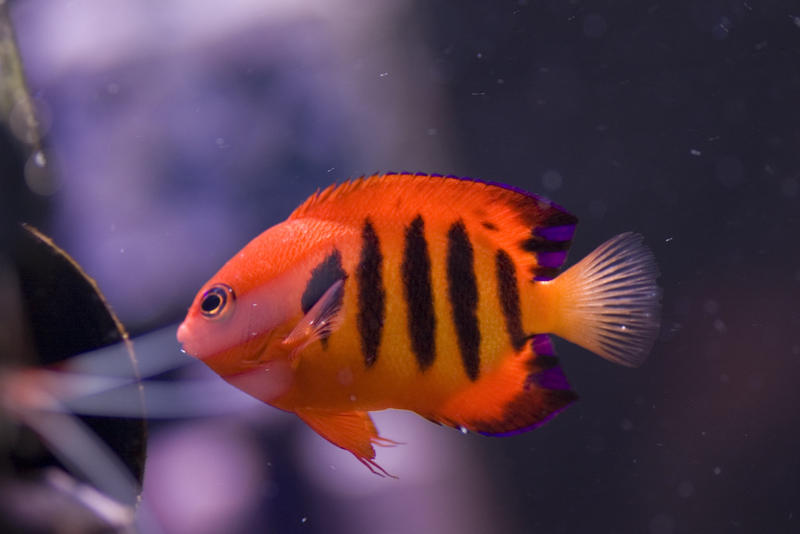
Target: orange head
{"x": 240, "y": 317}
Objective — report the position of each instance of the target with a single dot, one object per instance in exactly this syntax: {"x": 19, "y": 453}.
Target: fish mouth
{"x": 183, "y": 336}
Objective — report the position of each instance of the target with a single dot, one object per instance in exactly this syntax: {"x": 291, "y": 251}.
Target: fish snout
{"x": 184, "y": 336}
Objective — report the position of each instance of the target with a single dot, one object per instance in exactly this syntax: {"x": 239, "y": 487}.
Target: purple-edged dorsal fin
{"x": 534, "y": 231}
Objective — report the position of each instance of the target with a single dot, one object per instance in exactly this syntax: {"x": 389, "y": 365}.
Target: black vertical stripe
{"x": 323, "y": 276}
{"x": 463, "y": 293}
{"x": 416, "y": 271}
{"x": 508, "y": 292}
{"x": 371, "y": 294}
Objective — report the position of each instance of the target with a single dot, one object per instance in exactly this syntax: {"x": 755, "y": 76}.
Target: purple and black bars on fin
{"x": 545, "y": 371}
{"x": 550, "y": 244}
{"x": 542, "y": 345}
{"x": 545, "y": 393}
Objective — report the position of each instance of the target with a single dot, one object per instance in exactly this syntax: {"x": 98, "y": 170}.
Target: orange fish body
{"x": 425, "y": 293}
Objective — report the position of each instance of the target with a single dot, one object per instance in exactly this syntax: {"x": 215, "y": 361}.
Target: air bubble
{"x": 345, "y": 376}
{"x": 721, "y": 29}
{"x": 551, "y": 180}
{"x": 39, "y": 158}
{"x": 711, "y": 306}
{"x": 38, "y": 177}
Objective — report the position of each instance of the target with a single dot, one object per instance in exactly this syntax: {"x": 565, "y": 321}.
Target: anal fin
{"x": 352, "y": 431}
{"x": 525, "y": 391}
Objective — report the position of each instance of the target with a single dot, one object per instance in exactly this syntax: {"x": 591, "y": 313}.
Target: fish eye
{"x": 216, "y": 300}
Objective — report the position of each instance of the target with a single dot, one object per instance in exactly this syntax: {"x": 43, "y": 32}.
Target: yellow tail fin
{"x": 609, "y": 302}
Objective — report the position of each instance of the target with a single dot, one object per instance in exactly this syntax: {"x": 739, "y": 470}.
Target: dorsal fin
{"x": 533, "y": 230}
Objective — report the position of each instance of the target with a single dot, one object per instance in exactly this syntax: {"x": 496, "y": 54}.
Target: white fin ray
{"x": 611, "y": 302}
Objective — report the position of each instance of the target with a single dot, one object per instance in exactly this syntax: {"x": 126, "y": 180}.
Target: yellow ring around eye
{"x": 216, "y": 300}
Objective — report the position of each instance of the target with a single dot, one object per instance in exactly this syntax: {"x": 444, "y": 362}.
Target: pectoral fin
{"x": 352, "y": 431}
{"x": 320, "y": 321}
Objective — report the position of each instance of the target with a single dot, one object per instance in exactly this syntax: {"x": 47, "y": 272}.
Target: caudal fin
{"x": 609, "y": 302}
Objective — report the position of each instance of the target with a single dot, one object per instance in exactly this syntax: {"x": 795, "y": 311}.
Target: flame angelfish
{"x": 425, "y": 293}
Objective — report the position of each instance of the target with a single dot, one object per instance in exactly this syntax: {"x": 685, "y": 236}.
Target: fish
{"x": 420, "y": 292}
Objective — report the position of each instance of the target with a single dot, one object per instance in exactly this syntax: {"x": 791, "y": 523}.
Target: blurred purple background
{"x": 181, "y": 129}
